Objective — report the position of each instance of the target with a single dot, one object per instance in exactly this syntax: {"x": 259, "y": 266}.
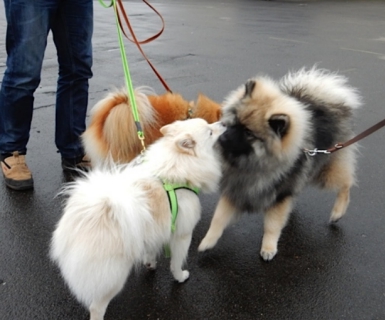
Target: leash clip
{"x": 141, "y": 137}
{"x": 139, "y": 159}
{"x": 315, "y": 151}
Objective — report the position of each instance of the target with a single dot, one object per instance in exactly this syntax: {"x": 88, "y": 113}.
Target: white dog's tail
{"x": 320, "y": 85}
{"x": 100, "y": 236}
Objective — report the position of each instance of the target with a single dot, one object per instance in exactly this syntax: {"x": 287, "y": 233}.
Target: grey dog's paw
{"x": 207, "y": 243}
{"x": 335, "y": 216}
{"x": 268, "y": 255}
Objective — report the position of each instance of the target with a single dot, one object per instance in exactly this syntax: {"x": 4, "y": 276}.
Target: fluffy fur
{"x": 112, "y": 131}
{"x": 269, "y": 125}
{"x": 118, "y": 217}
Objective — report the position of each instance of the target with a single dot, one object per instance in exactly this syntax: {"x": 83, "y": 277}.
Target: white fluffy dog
{"x": 118, "y": 217}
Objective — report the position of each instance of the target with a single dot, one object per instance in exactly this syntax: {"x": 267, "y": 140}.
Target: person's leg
{"x": 26, "y": 39}
{"x": 72, "y": 32}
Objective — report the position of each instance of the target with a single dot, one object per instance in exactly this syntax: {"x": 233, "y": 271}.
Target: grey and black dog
{"x": 270, "y": 125}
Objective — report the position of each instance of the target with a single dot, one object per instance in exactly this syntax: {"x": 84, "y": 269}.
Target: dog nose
{"x": 218, "y": 127}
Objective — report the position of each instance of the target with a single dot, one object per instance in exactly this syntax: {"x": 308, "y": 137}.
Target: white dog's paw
{"x": 182, "y": 276}
{"x": 268, "y": 254}
{"x": 150, "y": 262}
{"x": 207, "y": 243}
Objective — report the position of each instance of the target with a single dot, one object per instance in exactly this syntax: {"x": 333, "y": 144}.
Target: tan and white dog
{"x": 112, "y": 133}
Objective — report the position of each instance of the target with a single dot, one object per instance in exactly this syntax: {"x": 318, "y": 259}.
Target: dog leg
{"x": 274, "y": 221}
{"x": 98, "y": 307}
{"x": 224, "y": 214}
{"x": 179, "y": 246}
{"x": 150, "y": 260}
{"x": 106, "y": 287}
{"x": 341, "y": 204}
{"x": 339, "y": 175}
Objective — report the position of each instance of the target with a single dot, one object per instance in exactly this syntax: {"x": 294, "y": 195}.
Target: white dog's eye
{"x": 211, "y": 132}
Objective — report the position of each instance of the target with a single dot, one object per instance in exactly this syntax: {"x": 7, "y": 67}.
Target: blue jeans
{"x": 28, "y": 25}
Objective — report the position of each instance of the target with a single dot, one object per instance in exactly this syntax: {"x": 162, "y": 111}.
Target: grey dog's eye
{"x": 250, "y": 134}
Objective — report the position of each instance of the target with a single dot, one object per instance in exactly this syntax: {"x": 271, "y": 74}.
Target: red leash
{"x": 122, "y": 12}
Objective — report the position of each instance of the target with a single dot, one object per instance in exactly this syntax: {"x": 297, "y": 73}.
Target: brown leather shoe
{"x": 82, "y": 163}
{"x": 16, "y": 173}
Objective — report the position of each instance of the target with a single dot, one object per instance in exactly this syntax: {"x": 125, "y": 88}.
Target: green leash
{"x": 170, "y": 189}
{"x": 127, "y": 77}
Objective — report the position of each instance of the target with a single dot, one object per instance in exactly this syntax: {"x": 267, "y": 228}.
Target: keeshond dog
{"x": 117, "y": 218}
{"x": 270, "y": 127}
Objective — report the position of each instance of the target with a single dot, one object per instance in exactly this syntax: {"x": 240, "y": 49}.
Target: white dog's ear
{"x": 186, "y": 144}
{"x": 169, "y": 129}
{"x": 165, "y": 129}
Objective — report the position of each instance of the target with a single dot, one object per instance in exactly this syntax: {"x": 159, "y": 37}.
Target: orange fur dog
{"x": 112, "y": 131}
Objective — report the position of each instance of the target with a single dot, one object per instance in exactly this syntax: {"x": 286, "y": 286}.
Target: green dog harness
{"x": 170, "y": 189}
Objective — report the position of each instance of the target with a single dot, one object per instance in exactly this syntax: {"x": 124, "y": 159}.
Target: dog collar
{"x": 190, "y": 112}
{"x": 170, "y": 189}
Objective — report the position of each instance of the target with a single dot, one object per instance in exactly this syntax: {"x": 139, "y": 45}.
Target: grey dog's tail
{"x": 320, "y": 86}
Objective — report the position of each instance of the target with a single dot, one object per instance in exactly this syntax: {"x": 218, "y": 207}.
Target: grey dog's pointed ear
{"x": 249, "y": 88}
{"x": 279, "y": 123}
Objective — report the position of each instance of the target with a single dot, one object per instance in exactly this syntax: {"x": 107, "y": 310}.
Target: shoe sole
{"x": 76, "y": 168}
{"x": 19, "y": 185}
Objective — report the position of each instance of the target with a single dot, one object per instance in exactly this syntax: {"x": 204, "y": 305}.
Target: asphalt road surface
{"x": 321, "y": 271}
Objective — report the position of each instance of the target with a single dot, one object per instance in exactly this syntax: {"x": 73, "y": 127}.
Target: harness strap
{"x": 170, "y": 189}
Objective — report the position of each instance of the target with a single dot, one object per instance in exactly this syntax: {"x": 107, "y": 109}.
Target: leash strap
{"x": 170, "y": 189}
{"x": 148, "y": 40}
{"x": 135, "y": 40}
{"x": 339, "y": 146}
{"x": 127, "y": 76}
{"x": 362, "y": 135}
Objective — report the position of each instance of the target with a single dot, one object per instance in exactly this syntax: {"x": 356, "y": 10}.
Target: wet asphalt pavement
{"x": 320, "y": 271}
